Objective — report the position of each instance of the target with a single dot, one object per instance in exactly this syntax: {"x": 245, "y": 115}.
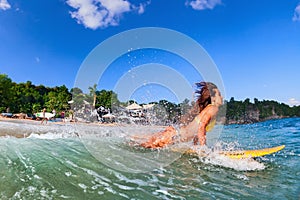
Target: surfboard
{"x": 252, "y": 153}
{"x": 240, "y": 154}
{"x": 47, "y": 115}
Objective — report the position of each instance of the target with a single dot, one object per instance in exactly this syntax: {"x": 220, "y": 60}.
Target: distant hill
{"x": 244, "y": 112}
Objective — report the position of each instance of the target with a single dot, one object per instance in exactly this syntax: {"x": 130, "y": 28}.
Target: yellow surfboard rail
{"x": 252, "y": 153}
{"x": 240, "y": 154}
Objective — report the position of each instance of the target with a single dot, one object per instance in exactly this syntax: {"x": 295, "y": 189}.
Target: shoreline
{"x": 49, "y": 122}
{"x": 23, "y": 128}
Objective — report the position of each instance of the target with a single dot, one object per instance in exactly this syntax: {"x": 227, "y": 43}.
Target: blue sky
{"x": 255, "y": 44}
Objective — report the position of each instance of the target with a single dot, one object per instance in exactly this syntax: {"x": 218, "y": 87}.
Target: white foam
{"x": 242, "y": 177}
{"x": 31, "y": 189}
{"x": 49, "y": 136}
{"x": 36, "y": 130}
{"x": 248, "y": 164}
{"x": 68, "y": 174}
{"x": 213, "y": 156}
{"x": 83, "y": 186}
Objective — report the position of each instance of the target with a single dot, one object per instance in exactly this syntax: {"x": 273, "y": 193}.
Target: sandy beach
{"x": 38, "y": 122}
{"x": 22, "y": 128}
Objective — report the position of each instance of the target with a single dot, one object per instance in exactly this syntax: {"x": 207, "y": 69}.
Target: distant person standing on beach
{"x": 54, "y": 112}
{"x": 62, "y": 116}
{"x": 44, "y": 116}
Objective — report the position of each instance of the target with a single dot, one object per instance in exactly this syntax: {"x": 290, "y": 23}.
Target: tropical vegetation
{"x": 30, "y": 98}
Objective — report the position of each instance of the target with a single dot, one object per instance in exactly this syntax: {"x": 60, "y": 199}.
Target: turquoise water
{"x": 53, "y": 163}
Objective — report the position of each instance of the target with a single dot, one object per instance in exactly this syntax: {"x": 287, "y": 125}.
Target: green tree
{"x": 25, "y": 96}
{"x": 6, "y": 94}
{"x": 78, "y": 98}
{"x": 76, "y": 91}
{"x": 172, "y": 110}
{"x": 107, "y": 99}
{"x": 184, "y": 106}
{"x": 63, "y": 96}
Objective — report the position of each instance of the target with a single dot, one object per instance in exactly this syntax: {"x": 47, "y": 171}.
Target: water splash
{"x": 213, "y": 156}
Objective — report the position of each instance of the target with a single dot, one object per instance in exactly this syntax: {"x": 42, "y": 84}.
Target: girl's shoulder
{"x": 211, "y": 108}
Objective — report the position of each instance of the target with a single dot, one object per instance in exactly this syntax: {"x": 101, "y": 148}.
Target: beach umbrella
{"x": 148, "y": 106}
{"x": 134, "y": 106}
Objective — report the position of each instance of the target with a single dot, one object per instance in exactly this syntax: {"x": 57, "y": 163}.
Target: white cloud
{"x": 203, "y": 4}
{"x": 4, "y": 5}
{"x": 294, "y": 102}
{"x": 141, "y": 7}
{"x": 102, "y": 13}
{"x": 296, "y": 16}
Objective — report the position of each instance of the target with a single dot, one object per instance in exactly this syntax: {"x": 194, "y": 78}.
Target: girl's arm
{"x": 203, "y": 120}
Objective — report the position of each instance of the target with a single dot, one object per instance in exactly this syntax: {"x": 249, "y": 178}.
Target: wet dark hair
{"x": 203, "y": 93}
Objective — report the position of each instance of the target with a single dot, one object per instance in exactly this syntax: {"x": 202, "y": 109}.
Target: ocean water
{"x": 59, "y": 162}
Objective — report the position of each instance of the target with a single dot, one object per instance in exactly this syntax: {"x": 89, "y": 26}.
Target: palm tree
{"x": 93, "y": 93}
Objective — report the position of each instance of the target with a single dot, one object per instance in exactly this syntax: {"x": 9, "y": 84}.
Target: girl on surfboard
{"x": 196, "y": 123}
